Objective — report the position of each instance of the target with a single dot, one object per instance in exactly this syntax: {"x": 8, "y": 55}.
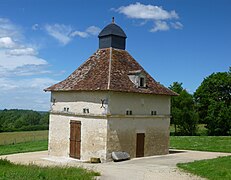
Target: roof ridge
{"x": 109, "y": 69}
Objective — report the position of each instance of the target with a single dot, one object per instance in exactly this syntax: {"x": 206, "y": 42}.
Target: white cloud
{"x": 16, "y": 57}
{"x": 93, "y": 30}
{"x": 25, "y": 93}
{"x": 7, "y": 42}
{"x": 176, "y": 25}
{"x": 11, "y": 62}
{"x": 65, "y": 33}
{"x": 25, "y": 84}
{"x": 79, "y": 33}
{"x": 22, "y": 52}
{"x": 160, "y": 26}
{"x": 19, "y": 65}
{"x": 159, "y": 16}
{"x": 141, "y": 11}
{"x": 8, "y": 29}
{"x": 60, "y": 32}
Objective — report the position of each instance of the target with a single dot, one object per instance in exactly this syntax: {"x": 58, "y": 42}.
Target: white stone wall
{"x": 140, "y": 104}
{"x": 99, "y": 135}
{"x": 77, "y": 101}
{"x": 115, "y": 103}
{"x": 122, "y": 135}
{"x": 93, "y": 136}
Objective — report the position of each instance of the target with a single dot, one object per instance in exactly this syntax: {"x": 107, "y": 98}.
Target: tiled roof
{"x": 107, "y": 70}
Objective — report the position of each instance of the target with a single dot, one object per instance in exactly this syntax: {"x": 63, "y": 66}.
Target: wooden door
{"x": 140, "y": 144}
{"x": 75, "y": 139}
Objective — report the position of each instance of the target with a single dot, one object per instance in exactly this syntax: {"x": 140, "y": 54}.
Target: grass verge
{"x": 33, "y": 172}
{"x": 24, "y": 147}
{"x": 213, "y": 169}
{"x": 202, "y": 143}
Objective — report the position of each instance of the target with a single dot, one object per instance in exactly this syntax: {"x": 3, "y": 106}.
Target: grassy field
{"x": 213, "y": 169}
{"x": 24, "y": 147}
{"x": 26, "y": 136}
{"x": 202, "y": 143}
{"x": 32, "y": 172}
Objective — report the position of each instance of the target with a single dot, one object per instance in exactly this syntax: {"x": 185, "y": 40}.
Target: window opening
{"x": 85, "y": 110}
{"x": 153, "y": 112}
{"x": 141, "y": 82}
{"x": 128, "y": 112}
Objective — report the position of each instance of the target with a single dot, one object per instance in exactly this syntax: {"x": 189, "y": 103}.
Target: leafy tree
{"x": 184, "y": 116}
{"x": 17, "y": 120}
{"x": 213, "y": 99}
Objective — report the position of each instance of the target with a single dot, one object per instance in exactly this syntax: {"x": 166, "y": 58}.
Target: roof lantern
{"x": 112, "y": 36}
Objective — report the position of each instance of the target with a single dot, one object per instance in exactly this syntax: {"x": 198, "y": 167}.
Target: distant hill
{"x": 23, "y": 120}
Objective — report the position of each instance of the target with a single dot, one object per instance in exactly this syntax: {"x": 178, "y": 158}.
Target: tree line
{"x": 209, "y": 105}
{"x": 23, "y": 120}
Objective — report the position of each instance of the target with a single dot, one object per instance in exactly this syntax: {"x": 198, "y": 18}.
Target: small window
{"x": 66, "y": 109}
{"x": 141, "y": 82}
{"x": 128, "y": 112}
{"x": 153, "y": 113}
{"x": 85, "y": 110}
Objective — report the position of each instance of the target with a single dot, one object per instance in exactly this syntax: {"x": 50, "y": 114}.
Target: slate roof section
{"x": 112, "y": 29}
{"x": 107, "y": 70}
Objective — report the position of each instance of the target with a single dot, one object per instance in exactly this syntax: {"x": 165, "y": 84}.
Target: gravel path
{"x": 147, "y": 168}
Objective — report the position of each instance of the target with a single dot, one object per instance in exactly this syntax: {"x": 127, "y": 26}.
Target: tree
{"x": 18, "y": 120}
{"x": 184, "y": 116}
{"x": 213, "y": 98}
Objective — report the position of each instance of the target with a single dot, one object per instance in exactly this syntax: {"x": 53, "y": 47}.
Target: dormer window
{"x": 138, "y": 78}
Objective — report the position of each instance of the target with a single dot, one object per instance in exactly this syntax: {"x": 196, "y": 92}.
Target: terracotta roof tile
{"x": 109, "y": 71}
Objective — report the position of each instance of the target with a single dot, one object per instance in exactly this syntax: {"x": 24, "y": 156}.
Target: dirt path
{"x": 148, "y": 168}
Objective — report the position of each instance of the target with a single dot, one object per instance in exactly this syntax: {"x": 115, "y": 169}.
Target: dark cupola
{"x": 112, "y": 36}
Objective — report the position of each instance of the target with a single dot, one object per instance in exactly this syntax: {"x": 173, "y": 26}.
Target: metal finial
{"x": 113, "y": 20}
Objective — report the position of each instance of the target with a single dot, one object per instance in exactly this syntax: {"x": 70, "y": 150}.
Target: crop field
{"x": 25, "y": 136}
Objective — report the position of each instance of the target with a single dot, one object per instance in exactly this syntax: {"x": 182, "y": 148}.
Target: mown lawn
{"x": 213, "y": 169}
{"x": 24, "y": 147}
{"x": 9, "y": 170}
{"x": 201, "y": 143}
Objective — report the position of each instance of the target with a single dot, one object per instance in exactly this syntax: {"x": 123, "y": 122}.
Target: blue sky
{"x": 43, "y": 41}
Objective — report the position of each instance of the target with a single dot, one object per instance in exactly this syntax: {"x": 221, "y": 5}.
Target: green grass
{"x": 202, "y": 143}
{"x": 12, "y": 171}
{"x": 24, "y": 147}
{"x": 213, "y": 169}
{"x": 25, "y": 136}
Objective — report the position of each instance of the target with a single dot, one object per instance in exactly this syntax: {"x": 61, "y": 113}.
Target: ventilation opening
{"x": 66, "y": 109}
{"x": 128, "y": 112}
{"x": 86, "y": 111}
{"x": 153, "y": 113}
